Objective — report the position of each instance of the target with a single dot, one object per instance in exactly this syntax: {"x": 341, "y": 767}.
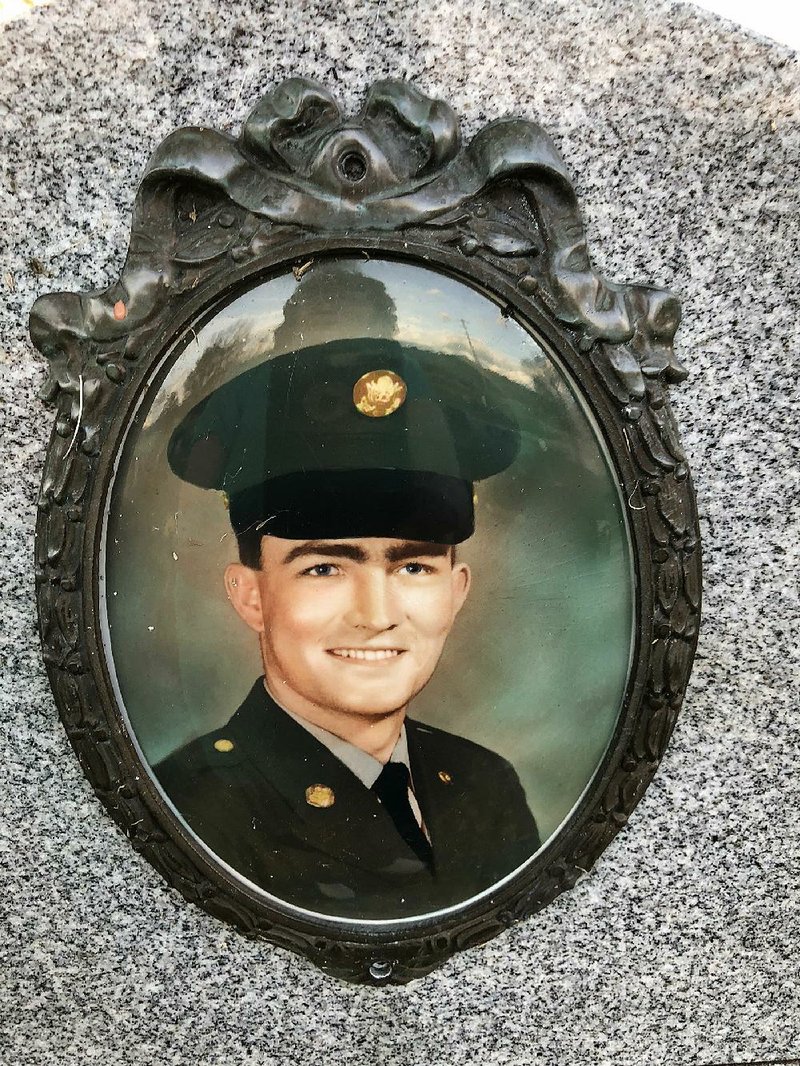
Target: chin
{"x": 370, "y": 710}
{"x": 366, "y": 703}
{"x": 357, "y": 694}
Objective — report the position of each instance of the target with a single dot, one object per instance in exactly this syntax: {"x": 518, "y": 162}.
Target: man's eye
{"x": 322, "y": 570}
{"x": 415, "y": 568}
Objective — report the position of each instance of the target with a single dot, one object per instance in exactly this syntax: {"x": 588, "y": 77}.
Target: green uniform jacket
{"x": 248, "y": 804}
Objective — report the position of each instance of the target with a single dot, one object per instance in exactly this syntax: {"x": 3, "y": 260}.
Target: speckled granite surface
{"x": 681, "y": 947}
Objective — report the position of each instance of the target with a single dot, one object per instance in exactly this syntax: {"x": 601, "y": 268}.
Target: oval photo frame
{"x": 285, "y": 324}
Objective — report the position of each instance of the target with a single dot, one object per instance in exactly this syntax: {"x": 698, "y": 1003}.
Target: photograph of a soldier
{"x": 349, "y": 470}
{"x": 369, "y": 589}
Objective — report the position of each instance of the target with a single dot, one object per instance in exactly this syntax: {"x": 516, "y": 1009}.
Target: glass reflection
{"x": 416, "y": 524}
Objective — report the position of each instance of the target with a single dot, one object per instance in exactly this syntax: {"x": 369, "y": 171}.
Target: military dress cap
{"x": 353, "y": 438}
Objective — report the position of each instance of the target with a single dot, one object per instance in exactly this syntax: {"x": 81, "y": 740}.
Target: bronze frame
{"x": 213, "y": 214}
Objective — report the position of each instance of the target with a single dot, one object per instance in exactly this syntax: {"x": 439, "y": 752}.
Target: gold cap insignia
{"x": 320, "y": 796}
{"x": 223, "y": 745}
{"x": 379, "y": 393}
{"x": 444, "y": 776}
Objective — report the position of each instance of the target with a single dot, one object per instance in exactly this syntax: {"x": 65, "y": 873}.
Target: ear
{"x": 462, "y": 579}
{"x": 244, "y": 592}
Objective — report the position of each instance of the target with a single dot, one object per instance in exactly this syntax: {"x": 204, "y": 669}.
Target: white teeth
{"x": 369, "y": 654}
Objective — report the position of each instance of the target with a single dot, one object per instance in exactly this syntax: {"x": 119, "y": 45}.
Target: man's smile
{"x": 370, "y": 655}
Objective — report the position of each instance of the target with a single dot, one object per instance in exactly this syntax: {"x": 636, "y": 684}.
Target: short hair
{"x": 249, "y": 543}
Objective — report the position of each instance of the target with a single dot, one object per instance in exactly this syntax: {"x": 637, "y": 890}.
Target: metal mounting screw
{"x": 380, "y": 969}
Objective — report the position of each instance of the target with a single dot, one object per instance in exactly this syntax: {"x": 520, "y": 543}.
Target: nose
{"x": 374, "y": 608}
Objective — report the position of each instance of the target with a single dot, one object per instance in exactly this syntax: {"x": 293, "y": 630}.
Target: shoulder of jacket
{"x": 217, "y": 750}
{"x": 457, "y": 747}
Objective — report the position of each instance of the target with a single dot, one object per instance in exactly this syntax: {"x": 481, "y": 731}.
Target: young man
{"x": 349, "y": 469}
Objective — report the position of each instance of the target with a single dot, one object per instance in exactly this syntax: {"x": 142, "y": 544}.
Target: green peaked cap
{"x": 291, "y": 446}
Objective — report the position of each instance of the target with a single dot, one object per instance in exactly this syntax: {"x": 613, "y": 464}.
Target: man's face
{"x": 353, "y": 626}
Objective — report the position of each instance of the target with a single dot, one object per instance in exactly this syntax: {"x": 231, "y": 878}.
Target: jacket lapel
{"x": 446, "y": 802}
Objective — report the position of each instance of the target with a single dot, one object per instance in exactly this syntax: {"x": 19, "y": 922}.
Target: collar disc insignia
{"x": 320, "y": 796}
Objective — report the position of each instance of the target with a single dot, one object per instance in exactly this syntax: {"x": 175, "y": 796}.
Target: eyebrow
{"x": 415, "y": 550}
{"x": 322, "y": 547}
{"x": 406, "y": 550}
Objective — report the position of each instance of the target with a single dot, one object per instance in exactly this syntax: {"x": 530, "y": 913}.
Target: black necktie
{"x": 391, "y": 788}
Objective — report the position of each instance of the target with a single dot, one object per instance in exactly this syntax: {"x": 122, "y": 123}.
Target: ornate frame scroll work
{"x": 301, "y": 181}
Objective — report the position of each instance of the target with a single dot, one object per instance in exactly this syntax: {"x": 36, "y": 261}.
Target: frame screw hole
{"x": 353, "y": 167}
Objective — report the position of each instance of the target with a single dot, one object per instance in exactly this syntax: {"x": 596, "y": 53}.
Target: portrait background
{"x": 536, "y": 665}
{"x": 683, "y": 134}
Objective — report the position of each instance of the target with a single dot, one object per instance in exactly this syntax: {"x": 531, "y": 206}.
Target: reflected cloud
{"x": 341, "y": 298}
